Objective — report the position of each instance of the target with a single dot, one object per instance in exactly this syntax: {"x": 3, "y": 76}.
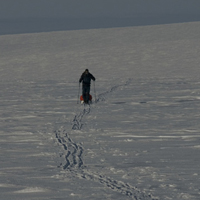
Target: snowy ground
{"x": 140, "y": 140}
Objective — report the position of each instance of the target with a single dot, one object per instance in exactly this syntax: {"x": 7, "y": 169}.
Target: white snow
{"x": 140, "y": 140}
{"x": 30, "y": 190}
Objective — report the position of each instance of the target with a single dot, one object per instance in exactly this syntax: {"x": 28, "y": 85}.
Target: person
{"x": 86, "y": 78}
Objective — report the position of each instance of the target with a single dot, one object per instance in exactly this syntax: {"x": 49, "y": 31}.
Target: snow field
{"x": 140, "y": 140}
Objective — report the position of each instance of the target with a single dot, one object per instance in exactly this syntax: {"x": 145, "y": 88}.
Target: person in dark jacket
{"x": 86, "y": 78}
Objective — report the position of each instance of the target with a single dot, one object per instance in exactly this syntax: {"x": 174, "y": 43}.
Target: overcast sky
{"x": 94, "y": 8}
{"x": 30, "y": 16}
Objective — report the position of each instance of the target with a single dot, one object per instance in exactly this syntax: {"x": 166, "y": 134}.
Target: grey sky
{"x": 94, "y": 8}
{"x": 30, "y": 16}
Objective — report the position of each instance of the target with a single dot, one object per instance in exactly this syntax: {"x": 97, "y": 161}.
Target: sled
{"x": 82, "y": 100}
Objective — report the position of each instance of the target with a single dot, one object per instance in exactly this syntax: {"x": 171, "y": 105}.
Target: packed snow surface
{"x": 139, "y": 139}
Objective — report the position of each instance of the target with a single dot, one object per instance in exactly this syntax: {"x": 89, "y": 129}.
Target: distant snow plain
{"x": 139, "y": 139}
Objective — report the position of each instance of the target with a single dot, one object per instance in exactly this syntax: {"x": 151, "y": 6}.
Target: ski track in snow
{"x": 77, "y": 124}
{"x": 74, "y": 164}
{"x": 102, "y": 96}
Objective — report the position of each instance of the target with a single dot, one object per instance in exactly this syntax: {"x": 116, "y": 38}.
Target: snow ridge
{"x": 73, "y": 154}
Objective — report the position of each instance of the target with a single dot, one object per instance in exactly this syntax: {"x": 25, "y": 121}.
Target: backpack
{"x": 86, "y": 79}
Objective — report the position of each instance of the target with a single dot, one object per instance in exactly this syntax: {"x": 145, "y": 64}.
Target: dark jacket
{"x": 86, "y": 79}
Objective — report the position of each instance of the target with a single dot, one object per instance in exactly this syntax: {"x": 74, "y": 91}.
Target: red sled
{"x": 82, "y": 100}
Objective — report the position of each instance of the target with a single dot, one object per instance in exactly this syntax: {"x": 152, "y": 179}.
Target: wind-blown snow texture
{"x": 138, "y": 140}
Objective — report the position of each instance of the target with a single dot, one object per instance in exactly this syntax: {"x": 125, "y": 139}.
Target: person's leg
{"x": 84, "y": 93}
{"x": 87, "y": 94}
